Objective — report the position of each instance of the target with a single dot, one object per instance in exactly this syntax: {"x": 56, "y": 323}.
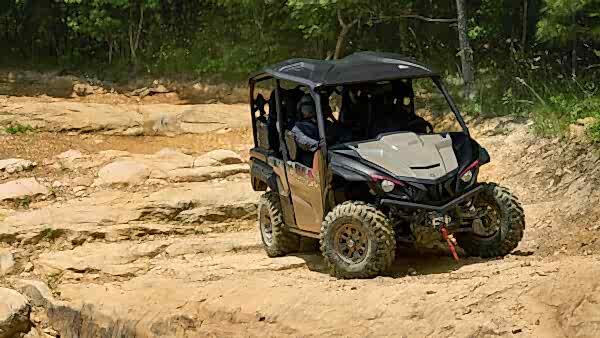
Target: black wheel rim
{"x": 351, "y": 243}
{"x": 490, "y": 216}
{"x": 266, "y": 227}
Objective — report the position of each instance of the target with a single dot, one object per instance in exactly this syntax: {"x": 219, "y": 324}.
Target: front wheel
{"x": 357, "y": 241}
{"x": 500, "y": 225}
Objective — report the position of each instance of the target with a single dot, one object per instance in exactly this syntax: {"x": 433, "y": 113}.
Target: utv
{"x": 387, "y": 178}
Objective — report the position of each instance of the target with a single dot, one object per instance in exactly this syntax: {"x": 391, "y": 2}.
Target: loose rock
{"x": 218, "y": 157}
{"x": 7, "y": 262}
{"x": 36, "y": 291}
{"x": 28, "y": 267}
{"x": 14, "y": 165}
{"x": 123, "y": 172}
{"x": 70, "y": 155}
{"x": 14, "y": 313}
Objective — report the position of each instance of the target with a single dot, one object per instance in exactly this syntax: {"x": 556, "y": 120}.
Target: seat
{"x": 292, "y": 148}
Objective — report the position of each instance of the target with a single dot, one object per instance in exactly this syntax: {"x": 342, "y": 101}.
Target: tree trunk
{"x": 340, "y": 42}
{"x": 134, "y": 36}
{"x": 574, "y": 46}
{"x": 342, "y": 36}
{"x": 110, "y": 51}
{"x": 466, "y": 53}
{"x": 525, "y": 15}
{"x": 574, "y": 59}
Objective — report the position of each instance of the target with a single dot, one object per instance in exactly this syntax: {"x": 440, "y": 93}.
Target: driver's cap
{"x": 306, "y": 104}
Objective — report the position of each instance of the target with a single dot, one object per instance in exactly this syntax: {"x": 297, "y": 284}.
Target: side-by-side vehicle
{"x": 382, "y": 175}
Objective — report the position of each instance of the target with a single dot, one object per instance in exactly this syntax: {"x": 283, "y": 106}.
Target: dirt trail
{"x": 166, "y": 246}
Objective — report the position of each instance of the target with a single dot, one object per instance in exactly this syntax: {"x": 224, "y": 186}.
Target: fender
{"x": 262, "y": 176}
{"x": 484, "y": 156}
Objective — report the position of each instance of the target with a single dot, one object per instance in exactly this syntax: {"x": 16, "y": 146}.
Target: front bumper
{"x": 442, "y": 208}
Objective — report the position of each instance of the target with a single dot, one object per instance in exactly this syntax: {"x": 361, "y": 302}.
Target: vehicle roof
{"x": 355, "y": 68}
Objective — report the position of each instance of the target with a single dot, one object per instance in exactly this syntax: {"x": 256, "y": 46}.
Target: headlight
{"x": 466, "y": 177}
{"x": 387, "y": 186}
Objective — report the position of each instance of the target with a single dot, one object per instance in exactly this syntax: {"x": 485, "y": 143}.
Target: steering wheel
{"x": 421, "y": 123}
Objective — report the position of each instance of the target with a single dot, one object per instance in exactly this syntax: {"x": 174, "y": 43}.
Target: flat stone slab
{"x": 124, "y": 172}
{"x": 218, "y": 157}
{"x": 129, "y": 258}
{"x": 122, "y": 119}
{"x": 250, "y": 295}
{"x": 203, "y": 174}
{"x": 166, "y": 165}
{"x": 21, "y": 188}
{"x": 114, "y": 213}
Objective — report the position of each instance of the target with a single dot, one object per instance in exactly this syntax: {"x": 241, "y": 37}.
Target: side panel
{"x": 305, "y": 186}
{"x": 279, "y": 170}
{"x": 283, "y": 189}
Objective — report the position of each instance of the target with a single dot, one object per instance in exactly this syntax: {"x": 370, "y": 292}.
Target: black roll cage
{"x": 257, "y": 78}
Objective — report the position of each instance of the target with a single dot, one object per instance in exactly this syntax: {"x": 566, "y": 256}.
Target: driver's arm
{"x": 303, "y": 141}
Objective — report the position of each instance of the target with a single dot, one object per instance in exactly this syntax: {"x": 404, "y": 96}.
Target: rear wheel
{"x": 500, "y": 225}
{"x": 276, "y": 239}
{"x": 357, "y": 241}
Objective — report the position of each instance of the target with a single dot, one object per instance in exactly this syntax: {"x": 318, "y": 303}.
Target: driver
{"x": 306, "y": 131}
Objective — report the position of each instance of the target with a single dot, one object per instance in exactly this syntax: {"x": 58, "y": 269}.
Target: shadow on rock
{"x": 415, "y": 262}
{"x": 408, "y": 262}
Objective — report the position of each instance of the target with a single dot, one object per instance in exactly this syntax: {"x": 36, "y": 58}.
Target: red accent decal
{"x": 376, "y": 178}
{"x": 473, "y": 165}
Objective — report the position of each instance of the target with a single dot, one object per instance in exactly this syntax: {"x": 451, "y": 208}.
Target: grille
{"x": 443, "y": 191}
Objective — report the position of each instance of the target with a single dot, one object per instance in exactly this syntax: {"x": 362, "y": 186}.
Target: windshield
{"x": 366, "y": 111}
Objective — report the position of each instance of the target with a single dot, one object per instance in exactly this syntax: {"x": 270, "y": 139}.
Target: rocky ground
{"x": 105, "y": 234}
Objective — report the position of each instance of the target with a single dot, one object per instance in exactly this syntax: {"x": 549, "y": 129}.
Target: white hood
{"x": 411, "y": 155}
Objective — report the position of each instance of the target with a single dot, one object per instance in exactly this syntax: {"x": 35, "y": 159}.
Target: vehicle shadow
{"x": 408, "y": 262}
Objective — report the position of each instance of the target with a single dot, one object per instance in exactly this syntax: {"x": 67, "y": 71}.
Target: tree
{"x": 110, "y": 21}
{"x": 98, "y": 20}
{"x": 524, "y": 24}
{"x": 344, "y": 29}
{"x": 569, "y": 22}
{"x": 320, "y": 19}
{"x": 466, "y": 53}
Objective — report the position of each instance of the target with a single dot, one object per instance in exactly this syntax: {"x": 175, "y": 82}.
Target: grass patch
{"x": 18, "y": 129}
{"x": 594, "y": 132}
{"x": 23, "y": 202}
{"x": 553, "y": 104}
{"x": 561, "y": 110}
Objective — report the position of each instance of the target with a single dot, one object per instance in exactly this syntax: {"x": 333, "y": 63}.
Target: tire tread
{"x": 513, "y": 214}
{"x": 384, "y": 234}
{"x": 284, "y": 242}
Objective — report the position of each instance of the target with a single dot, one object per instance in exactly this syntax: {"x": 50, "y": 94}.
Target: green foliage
{"x": 18, "y": 129}
{"x": 522, "y": 64}
{"x": 564, "y": 109}
{"x": 565, "y": 20}
{"x": 23, "y": 202}
{"x": 594, "y": 132}
{"x": 315, "y": 19}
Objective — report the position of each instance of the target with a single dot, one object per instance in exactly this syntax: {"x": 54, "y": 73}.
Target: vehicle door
{"x": 305, "y": 187}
